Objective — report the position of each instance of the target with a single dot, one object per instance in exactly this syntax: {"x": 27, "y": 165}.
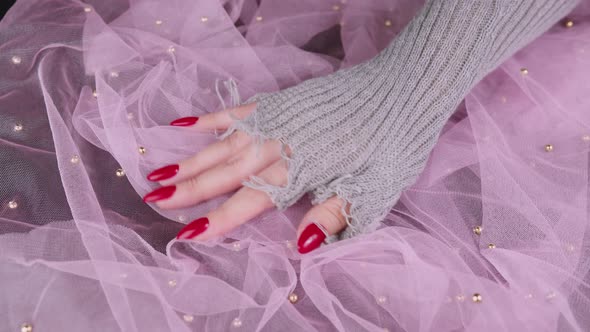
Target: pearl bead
{"x": 460, "y": 298}
{"x": 293, "y": 298}
{"x": 171, "y": 49}
{"x": 172, "y": 283}
{"x": 181, "y": 218}
{"x": 548, "y": 147}
{"x": 524, "y": 71}
{"x": 258, "y": 18}
{"x": 12, "y": 204}
{"x": 528, "y": 296}
{"x": 236, "y": 322}
{"x": 114, "y": 74}
{"x": 336, "y": 7}
{"x": 477, "y": 230}
{"x": 381, "y": 299}
{"x": 120, "y": 172}
{"x": 94, "y": 94}
{"x": 289, "y": 244}
{"x": 476, "y": 298}
{"x": 204, "y": 19}
{"x": 18, "y": 127}
{"x": 236, "y": 246}
{"x": 142, "y": 150}
{"x": 188, "y": 318}
{"x": 75, "y": 159}
{"x": 568, "y": 23}
{"x": 551, "y": 295}
{"x": 387, "y": 23}
{"x": 16, "y": 60}
{"x": 159, "y": 22}
{"x": 87, "y": 9}
{"x": 491, "y": 246}
{"x": 26, "y": 327}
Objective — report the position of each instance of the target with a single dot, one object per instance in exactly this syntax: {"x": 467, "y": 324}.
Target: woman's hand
{"x": 220, "y": 168}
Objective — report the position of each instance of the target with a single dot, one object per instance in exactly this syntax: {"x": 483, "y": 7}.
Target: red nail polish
{"x": 163, "y": 173}
{"x": 159, "y": 194}
{"x": 193, "y": 229}
{"x": 185, "y": 122}
{"x": 310, "y": 239}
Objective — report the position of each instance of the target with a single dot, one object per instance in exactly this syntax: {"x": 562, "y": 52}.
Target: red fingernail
{"x": 311, "y": 238}
{"x": 185, "y": 122}
{"x": 159, "y": 194}
{"x": 193, "y": 229}
{"x": 163, "y": 173}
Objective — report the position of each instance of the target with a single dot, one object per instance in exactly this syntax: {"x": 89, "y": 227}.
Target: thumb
{"x": 320, "y": 221}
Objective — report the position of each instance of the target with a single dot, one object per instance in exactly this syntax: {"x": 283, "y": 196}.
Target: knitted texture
{"x": 364, "y": 133}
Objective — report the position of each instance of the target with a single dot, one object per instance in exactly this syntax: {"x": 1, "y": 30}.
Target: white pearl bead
{"x": 236, "y": 322}
{"x": 12, "y": 204}
{"x": 293, "y": 298}
{"x": 16, "y": 59}
{"x": 26, "y": 327}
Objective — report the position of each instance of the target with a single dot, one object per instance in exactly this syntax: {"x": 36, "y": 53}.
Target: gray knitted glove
{"x": 365, "y": 133}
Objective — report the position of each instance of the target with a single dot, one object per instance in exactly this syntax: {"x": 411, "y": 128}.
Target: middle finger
{"x": 219, "y": 180}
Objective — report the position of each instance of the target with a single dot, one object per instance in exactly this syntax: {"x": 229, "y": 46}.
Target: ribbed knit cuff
{"x": 364, "y": 133}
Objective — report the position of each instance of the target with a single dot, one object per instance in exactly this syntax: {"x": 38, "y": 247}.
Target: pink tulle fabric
{"x": 494, "y": 236}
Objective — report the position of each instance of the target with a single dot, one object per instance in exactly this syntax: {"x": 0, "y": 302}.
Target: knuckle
{"x": 234, "y": 141}
{"x": 193, "y": 184}
{"x": 334, "y": 214}
{"x": 233, "y": 162}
